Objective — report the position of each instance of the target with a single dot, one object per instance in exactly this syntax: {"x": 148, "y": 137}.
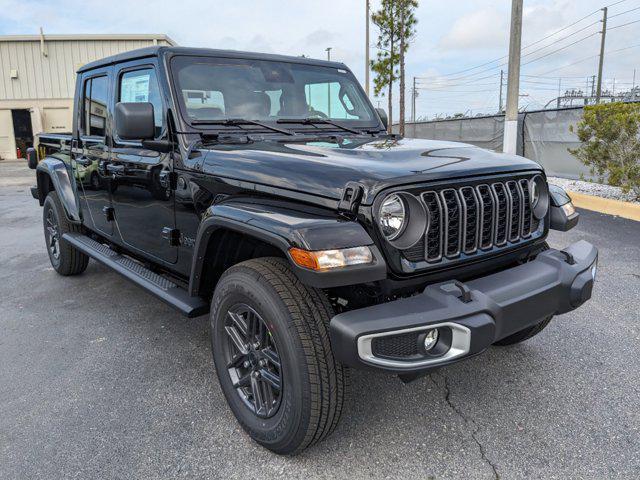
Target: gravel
{"x": 593, "y": 188}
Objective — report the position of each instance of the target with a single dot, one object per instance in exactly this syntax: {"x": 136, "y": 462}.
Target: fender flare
{"x": 56, "y": 170}
{"x": 283, "y": 228}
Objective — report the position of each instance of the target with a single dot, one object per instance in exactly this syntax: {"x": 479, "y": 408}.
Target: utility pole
{"x": 633, "y": 85}
{"x": 510, "y": 140}
{"x": 414, "y": 94}
{"x": 366, "y": 52}
{"x": 501, "y": 82}
{"x": 601, "y": 62}
{"x": 328, "y": 50}
{"x": 559, "y": 90}
{"x": 593, "y": 85}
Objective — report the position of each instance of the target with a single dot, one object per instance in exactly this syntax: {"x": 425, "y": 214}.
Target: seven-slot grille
{"x": 469, "y": 219}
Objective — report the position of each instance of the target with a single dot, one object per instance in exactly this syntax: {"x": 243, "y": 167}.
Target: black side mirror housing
{"x": 563, "y": 214}
{"x": 135, "y": 121}
{"x": 32, "y": 158}
{"x": 383, "y": 117}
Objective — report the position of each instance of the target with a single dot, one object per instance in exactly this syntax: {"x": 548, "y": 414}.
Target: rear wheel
{"x": 65, "y": 259}
{"x": 273, "y": 357}
{"x": 524, "y": 334}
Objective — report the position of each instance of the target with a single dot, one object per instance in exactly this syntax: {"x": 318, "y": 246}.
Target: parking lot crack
{"x": 475, "y": 428}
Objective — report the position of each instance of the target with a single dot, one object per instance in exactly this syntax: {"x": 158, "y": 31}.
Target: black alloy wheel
{"x": 252, "y": 360}
{"x": 52, "y": 236}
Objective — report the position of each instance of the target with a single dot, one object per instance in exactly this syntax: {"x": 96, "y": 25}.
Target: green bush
{"x": 609, "y": 133}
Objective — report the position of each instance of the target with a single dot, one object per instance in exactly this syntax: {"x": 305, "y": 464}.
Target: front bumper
{"x": 469, "y": 316}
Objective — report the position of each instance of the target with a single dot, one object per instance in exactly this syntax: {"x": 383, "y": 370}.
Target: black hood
{"x": 323, "y": 169}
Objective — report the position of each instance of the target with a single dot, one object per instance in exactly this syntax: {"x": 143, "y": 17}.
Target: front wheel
{"x": 64, "y": 257}
{"x": 273, "y": 357}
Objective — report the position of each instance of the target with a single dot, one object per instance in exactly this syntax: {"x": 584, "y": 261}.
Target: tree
{"x": 396, "y": 26}
{"x": 407, "y": 32}
{"x": 387, "y": 59}
{"x": 610, "y": 147}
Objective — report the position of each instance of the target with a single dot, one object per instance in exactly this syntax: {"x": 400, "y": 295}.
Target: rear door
{"x": 143, "y": 199}
{"x": 91, "y": 151}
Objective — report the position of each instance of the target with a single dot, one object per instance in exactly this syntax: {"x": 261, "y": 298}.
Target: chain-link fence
{"x": 544, "y": 136}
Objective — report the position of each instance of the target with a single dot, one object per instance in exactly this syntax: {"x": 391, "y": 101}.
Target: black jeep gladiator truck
{"x": 265, "y": 191}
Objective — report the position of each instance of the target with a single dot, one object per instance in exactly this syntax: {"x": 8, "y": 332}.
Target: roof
{"x": 161, "y": 50}
{"x": 88, "y": 36}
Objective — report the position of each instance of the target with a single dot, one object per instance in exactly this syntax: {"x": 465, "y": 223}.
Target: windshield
{"x": 215, "y": 89}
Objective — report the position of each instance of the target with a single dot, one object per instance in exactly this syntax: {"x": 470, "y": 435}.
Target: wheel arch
{"x": 52, "y": 174}
{"x": 273, "y": 228}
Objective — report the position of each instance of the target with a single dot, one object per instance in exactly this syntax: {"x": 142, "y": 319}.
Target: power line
{"x": 532, "y": 44}
{"x": 560, "y": 49}
{"x": 472, "y": 75}
{"x": 626, "y": 11}
{"x": 608, "y": 52}
{"x": 624, "y": 24}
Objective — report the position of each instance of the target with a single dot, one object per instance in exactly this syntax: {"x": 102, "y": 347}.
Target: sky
{"x": 452, "y": 36}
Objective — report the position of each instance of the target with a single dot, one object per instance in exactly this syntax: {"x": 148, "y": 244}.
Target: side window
{"x": 142, "y": 86}
{"x": 95, "y": 106}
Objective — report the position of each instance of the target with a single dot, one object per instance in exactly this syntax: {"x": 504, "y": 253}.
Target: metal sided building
{"x": 38, "y": 76}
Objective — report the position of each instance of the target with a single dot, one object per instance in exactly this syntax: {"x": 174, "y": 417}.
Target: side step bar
{"x": 159, "y": 286}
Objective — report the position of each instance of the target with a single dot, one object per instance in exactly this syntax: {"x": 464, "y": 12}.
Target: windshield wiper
{"x": 318, "y": 121}
{"x": 232, "y": 122}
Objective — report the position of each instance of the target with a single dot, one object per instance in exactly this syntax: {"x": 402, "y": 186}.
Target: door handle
{"x": 115, "y": 169}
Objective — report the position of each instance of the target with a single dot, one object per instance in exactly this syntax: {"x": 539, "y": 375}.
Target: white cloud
{"x": 479, "y": 30}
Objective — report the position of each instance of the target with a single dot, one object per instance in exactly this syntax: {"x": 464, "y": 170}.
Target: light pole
{"x": 328, "y": 50}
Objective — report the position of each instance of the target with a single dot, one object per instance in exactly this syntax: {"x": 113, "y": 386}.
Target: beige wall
{"x": 41, "y": 77}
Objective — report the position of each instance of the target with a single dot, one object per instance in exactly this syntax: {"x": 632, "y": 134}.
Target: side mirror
{"x": 135, "y": 121}
{"x": 32, "y": 158}
{"x": 383, "y": 117}
{"x": 563, "y": 214}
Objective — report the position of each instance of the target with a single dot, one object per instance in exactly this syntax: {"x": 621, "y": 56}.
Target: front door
{"x": 90, "y": 153}
{"x": 143, "y": 199}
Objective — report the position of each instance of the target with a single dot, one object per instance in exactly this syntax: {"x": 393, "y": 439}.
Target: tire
{"x": 65, "y": 259}
{"x": 524, "y": 334}
{"x": 310, "y": 401}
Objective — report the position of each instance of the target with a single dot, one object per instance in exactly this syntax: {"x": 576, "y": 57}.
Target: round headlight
{"x": 392, "y": 217}
{"x": 539, "y": 196}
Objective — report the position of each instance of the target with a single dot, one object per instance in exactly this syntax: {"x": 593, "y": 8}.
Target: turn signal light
{"x": 330, "y": 259}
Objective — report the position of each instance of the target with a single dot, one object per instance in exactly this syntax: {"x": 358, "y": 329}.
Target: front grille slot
{"x": 453, "y": 222}
{"x": 487, "y": 215}
{"x": 433, "y": 244}
{"x": 502, "y": 213}
{"x": 526, "y": 210}
{"x": 470, "y": 209}
{"x": 516, "y": 210}
{"x": 471, "y": 220}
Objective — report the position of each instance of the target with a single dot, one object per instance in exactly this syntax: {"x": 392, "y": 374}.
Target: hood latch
{"x": 351, "y": 198}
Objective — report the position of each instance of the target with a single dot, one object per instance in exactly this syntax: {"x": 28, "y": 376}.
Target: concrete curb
{"x": 606, "y": 205}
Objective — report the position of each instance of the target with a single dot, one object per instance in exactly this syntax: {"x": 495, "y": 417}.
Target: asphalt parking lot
{"x": 100, "y": 380}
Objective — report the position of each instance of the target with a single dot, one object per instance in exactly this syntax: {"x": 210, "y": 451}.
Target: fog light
{"x": 430, "y": 339}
